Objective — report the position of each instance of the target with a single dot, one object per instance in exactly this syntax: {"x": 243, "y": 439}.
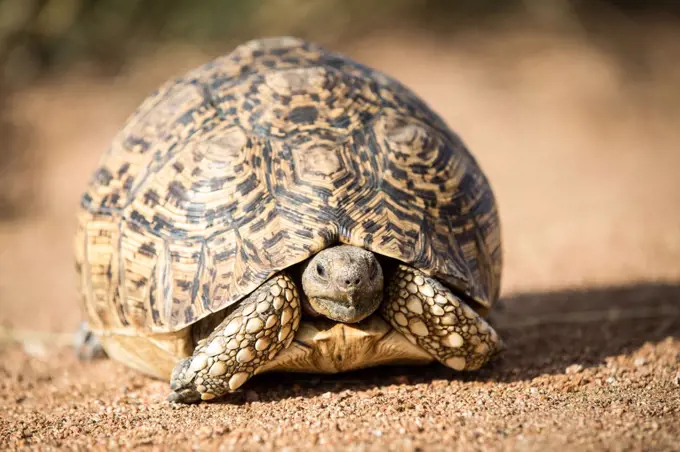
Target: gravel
{"x": 596, "y": 385}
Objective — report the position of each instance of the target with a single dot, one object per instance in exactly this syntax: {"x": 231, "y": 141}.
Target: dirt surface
{"x": 583, "y": 155}
{"x": 609, "y": 383}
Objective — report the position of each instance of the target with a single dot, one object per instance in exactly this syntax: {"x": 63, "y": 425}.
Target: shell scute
{"x": 258, "y": 160}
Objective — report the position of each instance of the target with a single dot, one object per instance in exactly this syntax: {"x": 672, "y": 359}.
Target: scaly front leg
{"x": 431, "y": 316}
{"x": 261, "y": 326}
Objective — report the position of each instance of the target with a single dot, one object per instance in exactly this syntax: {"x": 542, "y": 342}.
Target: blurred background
{"x": 572, "y": 108}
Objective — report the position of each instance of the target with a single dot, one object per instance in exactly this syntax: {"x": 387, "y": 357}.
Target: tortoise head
{"x": 343, "y": 283}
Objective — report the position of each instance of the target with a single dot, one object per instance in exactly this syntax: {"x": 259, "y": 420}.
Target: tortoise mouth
{"x": 344, "y": 311}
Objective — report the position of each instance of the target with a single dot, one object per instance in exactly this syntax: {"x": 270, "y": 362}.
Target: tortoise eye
{"x": 320, "y": 270}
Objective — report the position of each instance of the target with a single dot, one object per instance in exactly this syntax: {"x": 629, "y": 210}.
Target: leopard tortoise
{"x": 286, "y": 208}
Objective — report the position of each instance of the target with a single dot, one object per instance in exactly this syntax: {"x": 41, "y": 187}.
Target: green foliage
{"x": 36, "y": 35}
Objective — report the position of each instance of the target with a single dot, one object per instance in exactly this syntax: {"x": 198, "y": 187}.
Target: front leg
{"x": 263, "y": 324}
{"x": 430, "y": 315}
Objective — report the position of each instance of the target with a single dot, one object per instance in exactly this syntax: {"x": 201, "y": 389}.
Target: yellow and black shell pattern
{"x": 258, "y": 160}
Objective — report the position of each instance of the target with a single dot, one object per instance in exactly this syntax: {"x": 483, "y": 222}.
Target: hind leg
{"x": 260, "y": 327}
{"x": 431, "y": 316}
{"x": 86, "y": 344}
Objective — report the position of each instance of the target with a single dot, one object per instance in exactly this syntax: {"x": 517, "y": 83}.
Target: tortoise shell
{"x": 258, "y": 160}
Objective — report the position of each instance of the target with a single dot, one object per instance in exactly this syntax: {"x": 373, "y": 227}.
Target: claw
{"x": 184, "y": 396}
{"x": 181, "y": 384}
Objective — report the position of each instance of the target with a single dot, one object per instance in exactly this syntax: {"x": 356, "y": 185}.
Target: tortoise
{"x": 286, "y": 208}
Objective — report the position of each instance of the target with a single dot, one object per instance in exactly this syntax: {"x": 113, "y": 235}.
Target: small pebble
{"x": 573, "y": 369}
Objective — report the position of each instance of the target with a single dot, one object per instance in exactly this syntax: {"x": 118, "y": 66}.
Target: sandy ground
{"x": 583, "y": 156}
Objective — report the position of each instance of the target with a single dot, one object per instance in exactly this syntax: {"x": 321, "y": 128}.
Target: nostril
{"x": 352, "y": 283}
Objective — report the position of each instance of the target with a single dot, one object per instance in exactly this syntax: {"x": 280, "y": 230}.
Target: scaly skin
{"x": 431, "y": 316}
{"x": 260, "y": 327}
{"x": 427, "y": 313}
{"x": 343, "y": 283}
